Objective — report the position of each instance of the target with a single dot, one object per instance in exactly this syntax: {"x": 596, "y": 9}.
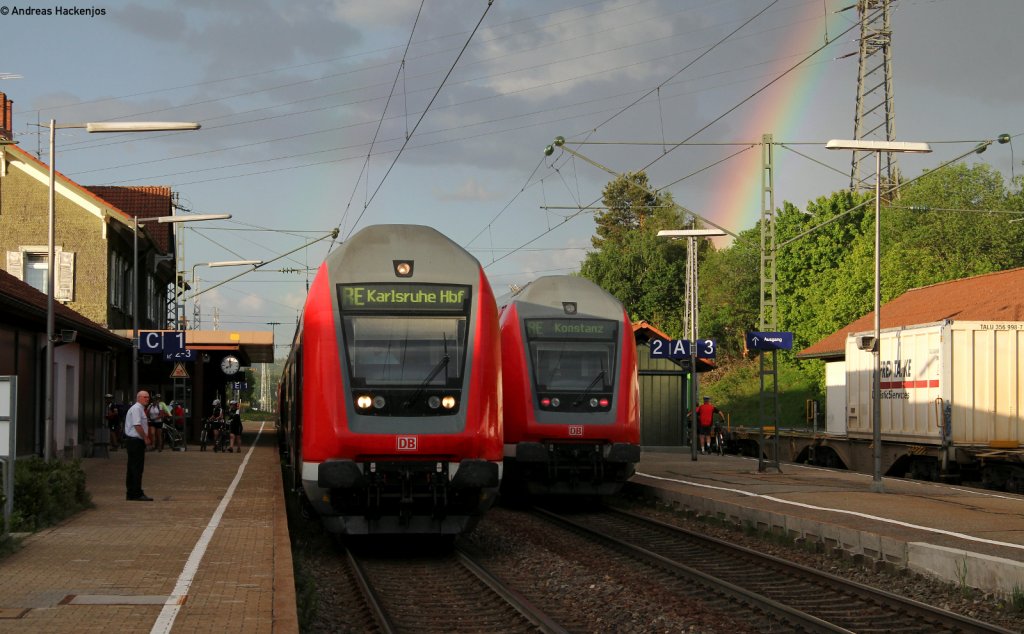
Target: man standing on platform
{"x": 705, "y": 419}
{"x": 136, "y": 438}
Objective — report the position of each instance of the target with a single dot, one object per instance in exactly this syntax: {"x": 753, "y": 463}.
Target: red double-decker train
{"x": 570, "y": 390}
{"x": 390, "y": 419}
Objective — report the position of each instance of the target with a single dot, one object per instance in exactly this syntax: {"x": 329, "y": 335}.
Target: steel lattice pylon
{"x": 875, "y": 117}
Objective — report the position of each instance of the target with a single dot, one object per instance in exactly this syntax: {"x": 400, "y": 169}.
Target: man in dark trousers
{"x": 136, "y": 439}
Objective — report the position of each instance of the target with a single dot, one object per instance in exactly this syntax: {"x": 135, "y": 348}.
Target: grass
{"x": 736, "y": 388}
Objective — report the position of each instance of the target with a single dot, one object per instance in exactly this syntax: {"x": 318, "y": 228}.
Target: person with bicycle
{"x": 216, "y": 421}
{"x": 235, "y": 416}
{"x": 164, "y": 420}
{"x": 705, "y": 420}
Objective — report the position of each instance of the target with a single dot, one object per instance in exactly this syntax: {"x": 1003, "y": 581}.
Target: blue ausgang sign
{"x": 769, "y": 341}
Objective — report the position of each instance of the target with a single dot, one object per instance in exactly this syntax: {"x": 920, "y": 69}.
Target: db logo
{"x": 406, "y": 443}
{"x": 575, "y": 430}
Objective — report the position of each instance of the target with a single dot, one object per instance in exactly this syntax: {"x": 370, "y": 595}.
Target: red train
{"x": 390, "y": 415}
{"x": 570, "y": 390}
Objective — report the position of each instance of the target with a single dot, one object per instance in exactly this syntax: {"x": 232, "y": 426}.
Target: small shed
{"x": 664, "y": 390}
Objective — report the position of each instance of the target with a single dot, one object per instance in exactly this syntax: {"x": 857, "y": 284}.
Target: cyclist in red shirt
{"x": 705, "y": 420}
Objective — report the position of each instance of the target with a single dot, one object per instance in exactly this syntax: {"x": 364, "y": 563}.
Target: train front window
{"x": 572, "y": 355}
{"x": 405, "y": 351}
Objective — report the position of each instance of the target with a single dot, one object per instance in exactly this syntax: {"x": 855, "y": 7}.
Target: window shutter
{"x": 14, "y": 265}
{"x": 65, "y": 284}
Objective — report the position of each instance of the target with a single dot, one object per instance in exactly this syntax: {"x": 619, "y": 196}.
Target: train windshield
{"x": 405, "y": 351}
{"x": 572, "y": 354}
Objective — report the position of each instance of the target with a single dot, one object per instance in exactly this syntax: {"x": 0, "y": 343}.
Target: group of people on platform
{"x": 158, "y": 413}
{"x": 230, "y": 423}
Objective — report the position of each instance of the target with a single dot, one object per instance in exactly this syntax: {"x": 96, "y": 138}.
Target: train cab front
{"x": 574, "y": 436}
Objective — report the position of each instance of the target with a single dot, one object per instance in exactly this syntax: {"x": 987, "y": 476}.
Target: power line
{"x": 366, "y": 205}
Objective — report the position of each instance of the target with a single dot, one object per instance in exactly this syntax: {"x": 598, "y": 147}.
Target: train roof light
{"x": 569, "y": 308}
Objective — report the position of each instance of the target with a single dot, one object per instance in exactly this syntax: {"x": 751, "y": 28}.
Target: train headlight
{"x": 434, "y": 402}
{"x": 364, "y": 402}
{"x": 379, "y": 402}
{"x": 403, "y": 268}
{"x": 545, "y": 402}
{"x": 448, "y": 402}
{"x": 555, "y": 402}
{"x": 594, "y": 402}
{"x": 603, "y": 402}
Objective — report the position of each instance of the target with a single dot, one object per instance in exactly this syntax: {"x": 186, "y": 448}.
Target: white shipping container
{"x": 976, "y": 367}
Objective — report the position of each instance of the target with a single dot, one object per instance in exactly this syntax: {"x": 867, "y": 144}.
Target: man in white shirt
{"x": 136, "y": 438}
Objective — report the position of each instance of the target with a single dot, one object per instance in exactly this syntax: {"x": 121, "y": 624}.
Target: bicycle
{"x": 174, "y": 438}
{"x": 205, "y": 436}
{"x": 719, "y": 440}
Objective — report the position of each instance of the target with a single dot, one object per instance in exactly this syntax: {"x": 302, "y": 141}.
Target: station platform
{"x": 211, "y": 553}
{"x": 959, "y": 534}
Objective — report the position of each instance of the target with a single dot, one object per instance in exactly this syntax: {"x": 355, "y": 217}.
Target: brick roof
{"x": 995, "y": 296}
{"x": 23, "y": 303}
{"x": 144, "y": 201}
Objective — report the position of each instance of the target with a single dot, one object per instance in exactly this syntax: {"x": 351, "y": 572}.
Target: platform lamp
{"x": 878, "y": 147}
{"x": 691, "y": 287}
{"x": 195, "y": 282}
{"x": 113, "y": 126}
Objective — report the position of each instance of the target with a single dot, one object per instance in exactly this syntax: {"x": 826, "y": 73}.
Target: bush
{"x": 46, "y": 493}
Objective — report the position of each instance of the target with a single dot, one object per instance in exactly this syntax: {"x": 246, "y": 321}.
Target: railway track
{"x": 784, "y": 596}
{"x": 448, "y": 592}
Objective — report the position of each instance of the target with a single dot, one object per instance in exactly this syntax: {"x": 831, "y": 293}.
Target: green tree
{"x": 644, "y": 272}
{"x": 812, "y": 269}
{"x": 924, "y": 241}
{"x": 730, "y": 292}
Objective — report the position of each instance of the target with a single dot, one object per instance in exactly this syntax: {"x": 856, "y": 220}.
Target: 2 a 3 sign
{"x": 681, "y": 348}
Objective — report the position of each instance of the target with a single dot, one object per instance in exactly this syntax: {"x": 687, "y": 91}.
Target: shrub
{"x": 47, "y": 492}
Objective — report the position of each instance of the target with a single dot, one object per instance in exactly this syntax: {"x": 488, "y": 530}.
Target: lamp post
{"x": 119, "y": 126}
{"x": 195, "y": 280}
{"x": 135, "y": 280}
{"x": 693, "y": 312}
{"x": 876, "y": 383}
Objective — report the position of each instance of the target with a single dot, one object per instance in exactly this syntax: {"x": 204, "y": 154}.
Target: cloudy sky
{"x": 311, "y": 119}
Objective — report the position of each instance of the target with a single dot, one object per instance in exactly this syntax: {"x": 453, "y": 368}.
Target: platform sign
{"x": 151, "y": 341}
{"x": 179, "y": 355}
{"x": 240, "y": 385}
{"x": 670, "y": 348}
{"x": 769, "y": 341}
{"x": 706, "y": 348}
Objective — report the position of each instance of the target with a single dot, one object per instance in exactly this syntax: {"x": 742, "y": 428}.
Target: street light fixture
{"x": 693, "y": 311}
{"x": 121, "y": 126}
{"x": 195, "y": 281}
{"x": 876, "y": 386}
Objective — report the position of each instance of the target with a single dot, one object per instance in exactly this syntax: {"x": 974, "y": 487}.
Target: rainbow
{"x": 735, "y": 198}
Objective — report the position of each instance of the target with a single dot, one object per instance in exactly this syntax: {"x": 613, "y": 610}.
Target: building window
{"x": 36, "y": 267}
{"x": 31, "y": 265}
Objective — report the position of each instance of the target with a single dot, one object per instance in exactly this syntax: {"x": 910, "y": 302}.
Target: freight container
{"x": 965, "y": 375}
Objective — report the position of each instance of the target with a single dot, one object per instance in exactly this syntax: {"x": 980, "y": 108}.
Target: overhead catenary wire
{"x": 366, "y": 205}
{"x": 709, "y": 124}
